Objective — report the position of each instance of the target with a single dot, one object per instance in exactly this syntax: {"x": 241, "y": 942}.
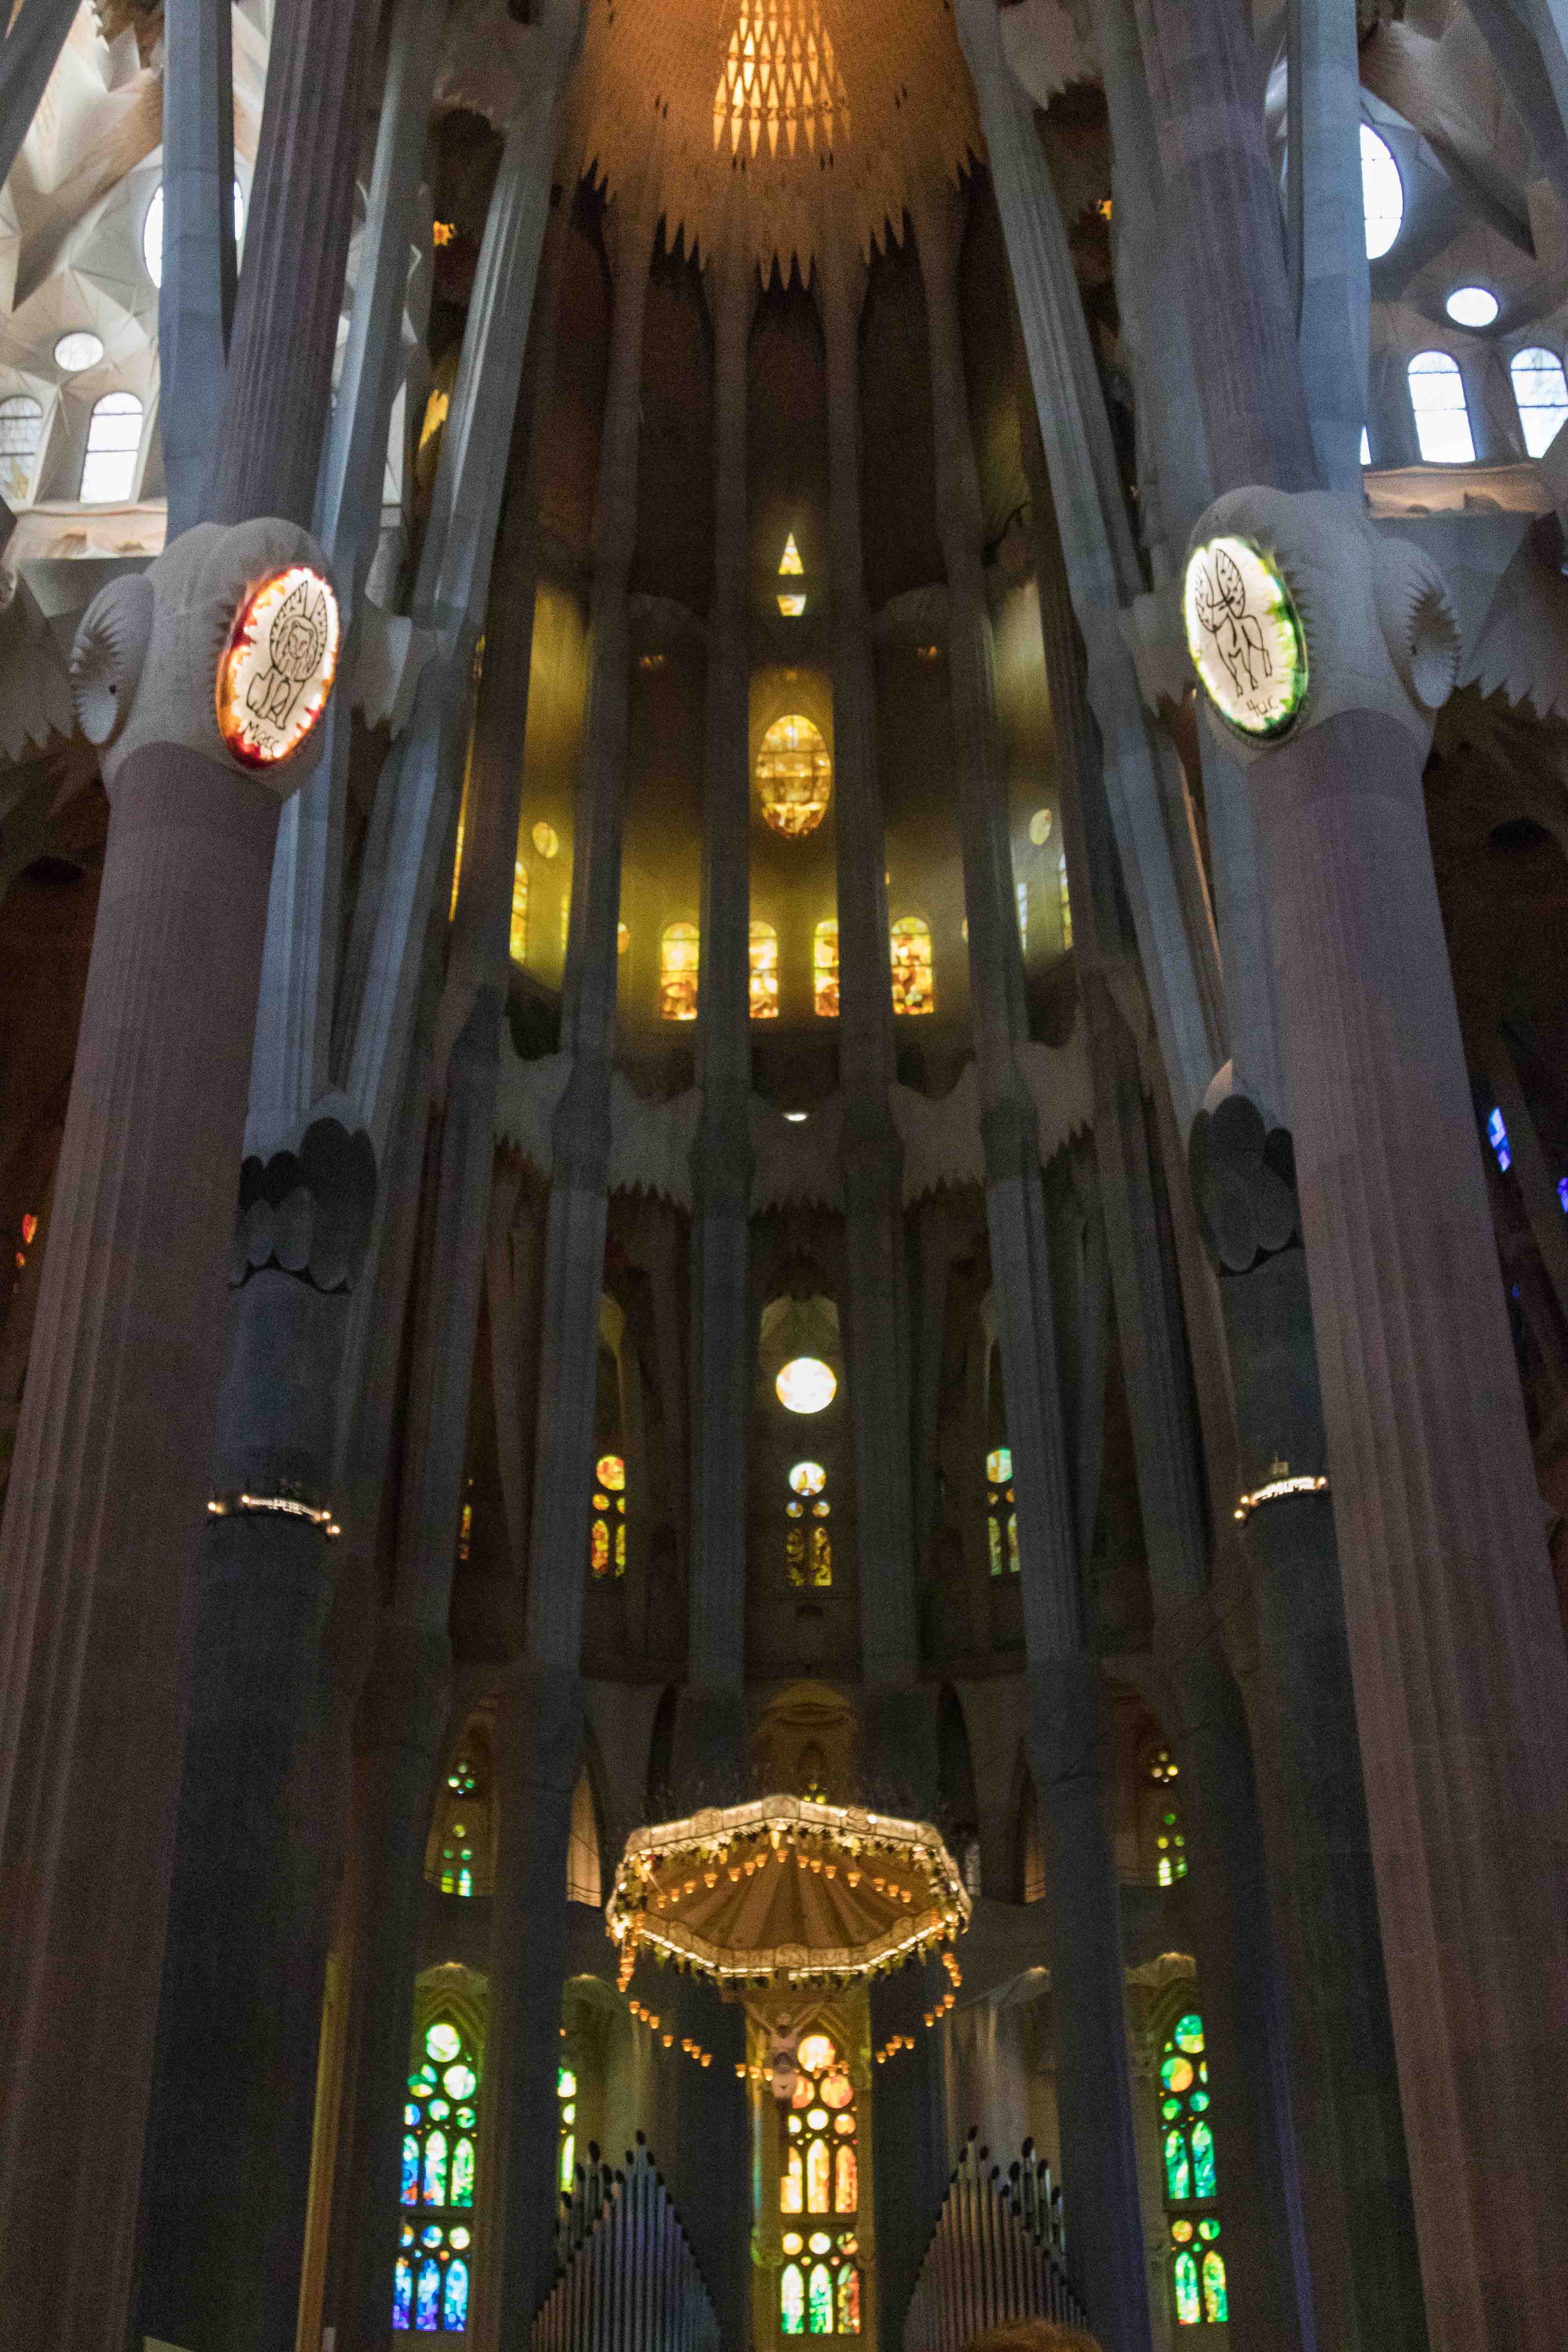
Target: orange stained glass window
{"x": 599, "y": 1547}
{"x": 909, "y": 946}
{"x": 794, "y": 776}
{"x": 518, "y": 941}
{"x": 610, "y": 1470}
{"x": 821, "y": 1556}
{"x": 846, "y": 2179}
{"x": 790, "y": 2199}
{"x": 816, "y": 2176}
{"x": 825, "y": 970}
{"x": 764, "y": 980}
{"x": 678, "y": 952}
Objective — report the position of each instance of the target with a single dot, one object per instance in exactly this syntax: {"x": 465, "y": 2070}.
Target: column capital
{"x": 1296, "y": 609}
{"x": 226, "y": 645}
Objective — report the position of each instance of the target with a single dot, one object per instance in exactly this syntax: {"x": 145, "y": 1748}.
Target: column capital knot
{"x": 1297, "y": 608}
{"x": 226, "y": 645}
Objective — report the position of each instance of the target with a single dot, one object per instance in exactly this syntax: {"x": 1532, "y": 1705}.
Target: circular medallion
{"x": 277, "y": 667}
{"x": 1244, "y": 636}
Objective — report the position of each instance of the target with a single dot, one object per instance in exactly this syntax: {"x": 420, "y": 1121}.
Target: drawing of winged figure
{"x": 1220, "y": 598}
{"x": 295, "y": 644}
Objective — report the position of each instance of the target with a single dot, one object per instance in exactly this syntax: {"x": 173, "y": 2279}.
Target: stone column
{"x": 1328, "y": 228}
{"x": 98, "y": 1551}
{"x": 712, "y": 1746}
{"x": 1460, "y": 1676}
{"x": 896, "y": 1740}
{"x": 1099, "y": 2156}
{"x": 540, "y": 1733}
{"x": 195, "y": 301}
{"x": 32, "y": 43}
{"x": 1170, "y": 916}
{"x": 1200, "y": 1707}
{"x": 290, "y": 1066}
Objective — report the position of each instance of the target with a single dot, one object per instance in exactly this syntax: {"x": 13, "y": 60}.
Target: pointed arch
{"x": 584, "y": 1877}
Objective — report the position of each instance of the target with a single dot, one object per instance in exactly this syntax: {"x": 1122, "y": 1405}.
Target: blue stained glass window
{"x": 792, "y": 2301}
{"x": 1497, "y": 1136}
{"x": 1203, "y": 2159}
{"x": 820, "y": 2301}
{"x": 1215, "y": 2305}
{"x": 1178, "y": 2174}
{"x": 1188, "y": 2312}
{"x": 463, "y": 2173}
{"x": 410, "y": 2169}
{"x": 402, "y": 2292}
{"x": 455, "y": 2295}
{"x": 435, "y": 2168}
{"x": 427, "y": 2308}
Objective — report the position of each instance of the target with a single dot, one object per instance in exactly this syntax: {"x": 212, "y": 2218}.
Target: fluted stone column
{"x": 1093, "y": 2075}
{"x": 541, "y": 1731}
{"x": 1460, "y": 1676}
{"x": 898, "y": 1740}
{"x": 196, "y": 299}
{"x": 1159, "y": 868}
{"x": 105, "y": 1508}
{"x": 1200, "y": 1707}
{"x": 711, "y": 1730}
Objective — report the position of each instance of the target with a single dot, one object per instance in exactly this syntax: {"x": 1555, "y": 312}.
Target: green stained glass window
{"x": 1215, "y": 2306}
{"x": 1197, "y": 2266}
{"x": 431, "y": 2282}
{"x": 1203, "y": 2160}
{"x": 1188, "y": 2311}
{"x": 792, "y": 2301}
{"x": 819, "y": 2300}
{"x": 1178, "y": 2170}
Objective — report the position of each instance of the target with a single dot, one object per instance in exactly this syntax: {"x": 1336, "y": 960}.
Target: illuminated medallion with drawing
{"x": 1244, "y": 636}
{"x": 277, "y": 668}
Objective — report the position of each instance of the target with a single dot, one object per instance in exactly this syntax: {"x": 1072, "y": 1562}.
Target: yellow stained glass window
{"x": 764, "y": 981}
{"x": 791, "y": 2191}
{"x": 610, "y": 1470}
{"x": 679, "y": 950}
{"x": 808, "y": 1477}
{"x": 1064, "y": 900}
{"x": 794, "y": 776}
{"x": 816, "y": 2176}
{"x": 821, "y": 1556}
{"x": 825, "y": 970}
{"x": 518, "y": 941}
{"x": 913, "y": 991}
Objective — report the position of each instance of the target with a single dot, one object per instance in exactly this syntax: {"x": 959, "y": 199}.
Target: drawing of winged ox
{"x": 1219, "y": 597}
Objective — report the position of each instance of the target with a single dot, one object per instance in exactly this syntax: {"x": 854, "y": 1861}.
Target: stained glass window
{"x": 764, "y": 979}
{"x": 1064, "y": 900}
{"x": 607, "y": 1526}
{"x": 794, "y": 776}
{"x": 819, "y": 2173}
{"x": 1197, "y": 2264}
{"x": 113, "y": 440}
{"x": 679, "y": 952}
{"x": 825, "y": 969}
{"x": 430, "y": 2280}
{"x": 1442, "y": 414}
{"x": 808, "y": 1547}
{"x": 566, "y": 2127}
{"x": 1001, "y": 1518}
{"x": 792, "y": 600}
{"x": 518, "y": 941}
{"x": 461, "y": 1843}
{"x": 1170, "y": 1840}
{"x": 1539, "y": 390}
{"x": 909, "y": 946}
{"x": 21, "y": 424}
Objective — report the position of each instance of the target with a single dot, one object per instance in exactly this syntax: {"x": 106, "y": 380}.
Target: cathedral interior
{"x": 783, "y": 1173}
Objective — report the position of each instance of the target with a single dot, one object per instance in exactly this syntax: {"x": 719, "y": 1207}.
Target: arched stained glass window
{"x": 461, "y": 1848}
{"x": 607, "y": 1526}
{"x": 1442, "y": 418}
{"x": 819, "y": 2170}
{"x": 1170, "y": 1842}
{"x": 794, "y": 776}
{"x": 518, "y": 942}
{"x": 913, "y": 987}
{"x": 113, "y": 439}
{"x": 21, "y": 424}
{"x": 764, "y": 975}
{"x": 440, "y": 2117}
{"x": 1000, "y": 1519}
{"x": 808, "y": 1546}
{"x": 1197, "y": 2264}
{"x": 679, "y": 952}
{"x": 1539, "y": 388}
{"x": 825, "y": 970}
{"x": 566, "y": 2127}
